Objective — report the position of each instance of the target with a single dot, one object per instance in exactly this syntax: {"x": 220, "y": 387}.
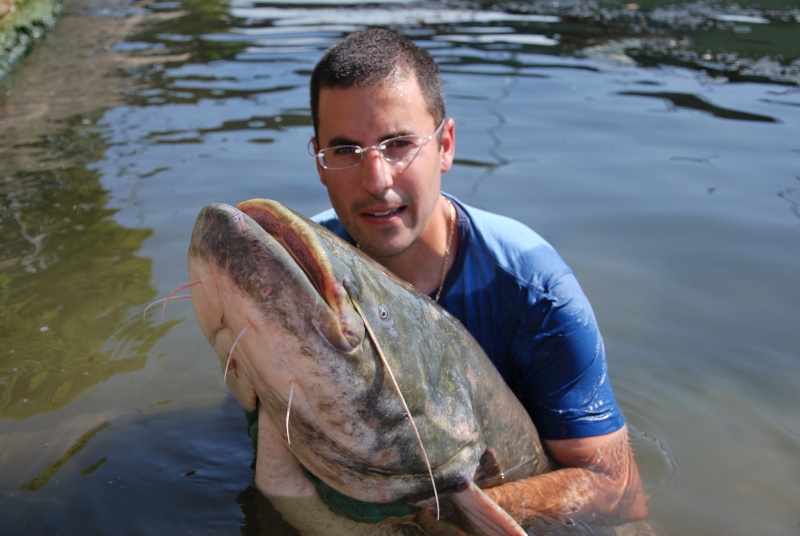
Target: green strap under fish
{"x": 364, "y": 512}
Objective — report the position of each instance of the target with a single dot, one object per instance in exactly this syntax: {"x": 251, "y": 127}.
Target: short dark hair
{"x": 369, "y": 57}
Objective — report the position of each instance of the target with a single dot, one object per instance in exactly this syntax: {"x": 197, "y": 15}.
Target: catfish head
{"x": 284, "y": 303}
{"x": 251, "y": 282}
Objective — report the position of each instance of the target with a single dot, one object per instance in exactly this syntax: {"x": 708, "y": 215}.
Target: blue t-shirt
{"x": 524, "y": 306}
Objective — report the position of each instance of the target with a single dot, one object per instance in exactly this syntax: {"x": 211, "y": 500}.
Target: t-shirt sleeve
{"x": 330, "y": 221}
{"x": 561, "y": 374}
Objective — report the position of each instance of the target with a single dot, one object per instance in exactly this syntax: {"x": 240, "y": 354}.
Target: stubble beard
{"x": 384, "y": 247}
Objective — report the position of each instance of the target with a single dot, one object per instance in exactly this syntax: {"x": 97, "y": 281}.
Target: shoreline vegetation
{"x": 22, "y": 23}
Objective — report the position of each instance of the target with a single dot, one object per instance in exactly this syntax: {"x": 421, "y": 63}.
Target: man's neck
{"x": 423, "y": 263}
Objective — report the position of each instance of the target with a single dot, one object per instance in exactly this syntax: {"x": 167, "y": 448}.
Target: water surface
{"x": 657, "y": 146}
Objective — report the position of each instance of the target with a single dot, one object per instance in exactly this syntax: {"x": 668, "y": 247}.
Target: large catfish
{"x": 377, "y": 390}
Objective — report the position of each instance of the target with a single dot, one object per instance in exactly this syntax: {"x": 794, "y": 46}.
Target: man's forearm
{"x": 599, "y": 478}
{"x": 569, "y": 494}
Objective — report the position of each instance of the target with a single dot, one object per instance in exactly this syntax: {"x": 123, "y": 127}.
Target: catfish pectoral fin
{"x": 483, "y": 515}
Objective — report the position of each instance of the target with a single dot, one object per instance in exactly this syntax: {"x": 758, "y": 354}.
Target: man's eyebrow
{"x": 341, "y": 140}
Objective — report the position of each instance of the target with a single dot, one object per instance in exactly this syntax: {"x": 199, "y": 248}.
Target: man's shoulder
{"x": 501, "y": 231}
{"x": 329, "y": 220}
{"x": 511, "y": 244}
{"x": 326, "y": 217}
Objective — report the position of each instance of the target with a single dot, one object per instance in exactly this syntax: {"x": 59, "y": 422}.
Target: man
{"x": 382, "y": 142}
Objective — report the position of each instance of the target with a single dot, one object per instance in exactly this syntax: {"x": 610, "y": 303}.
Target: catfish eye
{"x": 383, "y": 312}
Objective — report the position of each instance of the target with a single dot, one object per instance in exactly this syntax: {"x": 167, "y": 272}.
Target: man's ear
{"x": 314, "y": 144}
{"x": 448, "y": 148}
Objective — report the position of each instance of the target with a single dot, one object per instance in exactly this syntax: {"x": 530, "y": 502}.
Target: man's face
{"x": 385, "y": 207}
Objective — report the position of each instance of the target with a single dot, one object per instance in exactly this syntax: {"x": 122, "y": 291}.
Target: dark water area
{"x": 656, "y": 144}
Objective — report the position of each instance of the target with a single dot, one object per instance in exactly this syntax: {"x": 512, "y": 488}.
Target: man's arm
{"x": 599, "y": 477}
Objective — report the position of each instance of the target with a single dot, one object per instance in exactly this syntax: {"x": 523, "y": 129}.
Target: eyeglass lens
{"x": 393, "y": 150}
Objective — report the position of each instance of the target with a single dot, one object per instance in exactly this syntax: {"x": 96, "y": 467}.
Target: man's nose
{"x": 376, "y": 173}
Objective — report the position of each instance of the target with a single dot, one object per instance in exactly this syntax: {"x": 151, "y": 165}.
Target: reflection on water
{"x": 692, "y": 102}
{"x": 654, "y": 143}
{"x": 150, "y": 475}
{"x": 71, "y": 280}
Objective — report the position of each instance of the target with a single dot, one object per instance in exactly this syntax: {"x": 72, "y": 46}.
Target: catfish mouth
{"x": 278, "y": 225}
{"x": 299, "y": 239}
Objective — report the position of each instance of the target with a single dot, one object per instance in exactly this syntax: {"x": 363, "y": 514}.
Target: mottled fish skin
{"x": 292, "y": 288}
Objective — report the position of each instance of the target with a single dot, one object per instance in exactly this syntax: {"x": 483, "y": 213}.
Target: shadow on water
{"x": 693, "y": 102}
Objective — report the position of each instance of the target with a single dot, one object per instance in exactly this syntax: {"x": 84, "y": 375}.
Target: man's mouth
{"x": 384, "y": 213}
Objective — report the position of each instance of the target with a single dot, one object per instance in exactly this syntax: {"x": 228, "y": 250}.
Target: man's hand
{"x": 599, "y": 477}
